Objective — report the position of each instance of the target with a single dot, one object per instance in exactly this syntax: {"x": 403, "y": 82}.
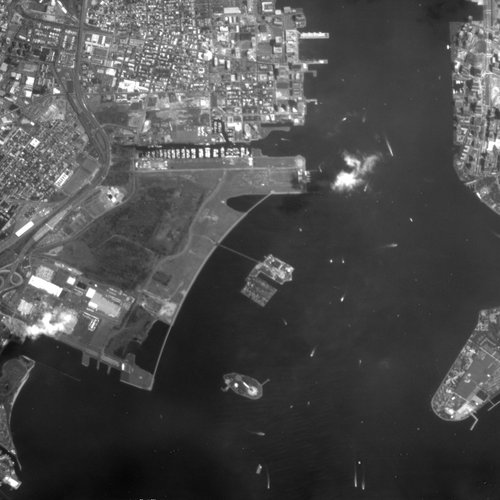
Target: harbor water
{"x": 413, "y": 257}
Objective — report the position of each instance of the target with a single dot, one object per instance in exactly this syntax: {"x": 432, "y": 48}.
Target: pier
{"x": 237, "y": 253}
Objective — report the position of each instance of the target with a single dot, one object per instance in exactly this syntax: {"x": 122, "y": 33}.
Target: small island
{"x": 243, "y": 385}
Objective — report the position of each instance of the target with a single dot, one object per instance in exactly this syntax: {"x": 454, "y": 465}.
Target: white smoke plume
{"x": 346, "y": 181}
{"x": 51, "y": 323}
{"x": 358, "y": 168}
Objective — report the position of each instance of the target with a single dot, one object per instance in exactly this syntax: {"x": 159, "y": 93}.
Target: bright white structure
{"x": 25, "y": 228}
{"x": 44, "y": 285}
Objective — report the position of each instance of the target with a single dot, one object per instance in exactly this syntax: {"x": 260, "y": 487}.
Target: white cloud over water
{"x": 357, "y": 168}
{"x": 346, "y": 181}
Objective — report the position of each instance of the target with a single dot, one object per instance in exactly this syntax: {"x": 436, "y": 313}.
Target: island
{"x": 243, "y": 385}
{"x": 125, "y": 128}
{"x": 474, "y": 378}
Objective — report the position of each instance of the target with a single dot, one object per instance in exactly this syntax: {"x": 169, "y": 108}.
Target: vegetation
{"x": 162, "y": 277}
{"x": 120, "y": 247}
{"x": 7, "y": 257}
{"x": 122, "y": 262}
{"x": 157, "y": 217}
{"x": 112, "y": 113}
{"x": 117, "y": 261}
{"x": 135, "y": 329}
{"x": 73, "y": 6}
{"x": 119, "y": 173}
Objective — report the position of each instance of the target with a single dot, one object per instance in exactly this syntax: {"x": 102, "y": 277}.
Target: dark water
{"x": 380, "y": 354}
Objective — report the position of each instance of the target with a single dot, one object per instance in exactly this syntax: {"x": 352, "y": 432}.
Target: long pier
{"x": 237, "y": 252}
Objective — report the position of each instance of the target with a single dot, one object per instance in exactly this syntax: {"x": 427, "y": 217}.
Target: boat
{"x": 257, "y": 433}
{"x": 243, "y": 385}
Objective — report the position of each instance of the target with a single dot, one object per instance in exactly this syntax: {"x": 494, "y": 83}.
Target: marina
{"x": 194, "y": 151}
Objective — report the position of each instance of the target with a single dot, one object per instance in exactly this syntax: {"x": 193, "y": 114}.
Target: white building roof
{"x": 25, "y": 228}
{"x": 47, "y": 286}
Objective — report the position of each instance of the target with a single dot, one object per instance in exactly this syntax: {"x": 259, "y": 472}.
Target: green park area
{"x": 121, "y": 247}
{"x": 136, "y": 327}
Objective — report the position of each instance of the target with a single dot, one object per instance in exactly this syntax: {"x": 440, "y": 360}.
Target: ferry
{"x": 243, "y": 385}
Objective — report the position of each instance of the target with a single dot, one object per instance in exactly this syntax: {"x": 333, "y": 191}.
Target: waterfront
{"x": 380, "y": 354}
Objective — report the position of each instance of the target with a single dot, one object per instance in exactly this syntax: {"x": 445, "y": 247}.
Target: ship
{"x": 243, "y": 385}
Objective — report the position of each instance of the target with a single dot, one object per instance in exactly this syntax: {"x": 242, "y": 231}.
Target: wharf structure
{"x": 259, "y": 290}
{"x": 61, "y": 301}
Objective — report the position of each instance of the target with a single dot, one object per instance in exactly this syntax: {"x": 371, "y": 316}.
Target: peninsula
{"x": 474, "y": 378}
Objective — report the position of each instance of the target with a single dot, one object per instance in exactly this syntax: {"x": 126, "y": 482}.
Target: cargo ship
{"x": 243, "y": 385}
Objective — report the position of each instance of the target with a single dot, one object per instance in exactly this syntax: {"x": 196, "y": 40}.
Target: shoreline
{"x": 202, "y": 266}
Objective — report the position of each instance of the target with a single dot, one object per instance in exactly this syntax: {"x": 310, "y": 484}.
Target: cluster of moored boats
{"x": 197, "y": 152}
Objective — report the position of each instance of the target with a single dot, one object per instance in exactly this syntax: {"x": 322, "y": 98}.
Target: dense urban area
{"x": 125, "y": 126}
{"x": 474, "y": 378}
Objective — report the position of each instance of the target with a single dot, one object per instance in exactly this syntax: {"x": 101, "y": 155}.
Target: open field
{"x": 120, "y": 247}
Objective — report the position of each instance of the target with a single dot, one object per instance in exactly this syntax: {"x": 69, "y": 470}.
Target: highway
{"x": 93, "y": 129}
{"x": 92, "y": 126}
{"x": 89, "y": 28}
